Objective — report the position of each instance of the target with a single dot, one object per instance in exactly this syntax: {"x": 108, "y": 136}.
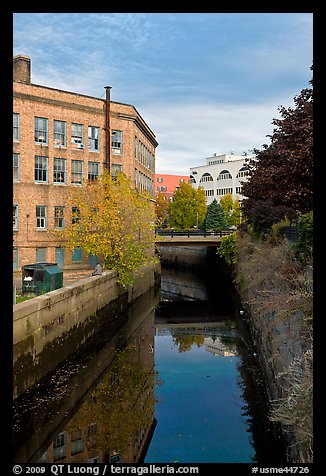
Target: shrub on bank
{"x": 277, "y": 291}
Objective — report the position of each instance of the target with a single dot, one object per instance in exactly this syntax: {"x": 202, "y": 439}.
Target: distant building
{"x": 221, "y": 175}
{"x": 61, "y": 140}
{"x": 168, "y": 183}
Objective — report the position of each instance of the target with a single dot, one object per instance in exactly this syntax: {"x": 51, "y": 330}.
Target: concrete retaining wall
{"x": 46, "y": 329}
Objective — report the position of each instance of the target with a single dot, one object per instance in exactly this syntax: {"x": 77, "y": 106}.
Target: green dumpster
{"x": 41, "y": 278}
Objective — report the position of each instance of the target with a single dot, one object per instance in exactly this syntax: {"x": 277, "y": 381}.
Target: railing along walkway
{"x": 195, "y": 237}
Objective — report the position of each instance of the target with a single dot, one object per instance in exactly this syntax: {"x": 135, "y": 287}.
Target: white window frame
{"x": 41, "y": 130}
{"x": 59, "y": 217}
{"x": 59, "y": 137}
{"x": 91, "y": 174}
{"x": 16, "y": 167}
{"x": 15, "y": 217}
{"x": 41, "y": 215}
{"x": 40, "y": 171}
{"x": 93, "y": 138}
{"x": 77, "y": 135}
{"x": 59, "y": 172}
{"x": 116, "y": 146}
{"x": 77, "y": 173}
{"x": 16, "y": 126}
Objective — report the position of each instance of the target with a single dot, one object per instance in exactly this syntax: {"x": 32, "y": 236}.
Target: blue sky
{"x": 204, "y": 82}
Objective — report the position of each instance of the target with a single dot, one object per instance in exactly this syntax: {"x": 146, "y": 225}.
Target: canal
{"x": 173, "y": 379}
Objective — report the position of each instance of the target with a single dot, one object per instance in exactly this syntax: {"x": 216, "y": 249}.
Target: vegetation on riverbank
{"x": 274, "y": 275}
{"x": 274, "y": 279}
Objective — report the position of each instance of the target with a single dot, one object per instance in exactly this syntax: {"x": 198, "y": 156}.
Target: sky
{"x": 204, "y": 83}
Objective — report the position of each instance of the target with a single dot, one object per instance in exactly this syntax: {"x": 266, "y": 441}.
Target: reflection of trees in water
{"x": 122, "y": 406}
{"x": 185, "y": 342}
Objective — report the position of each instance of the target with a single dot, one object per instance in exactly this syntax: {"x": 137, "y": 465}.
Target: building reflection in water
{"x": 114, "y": 417}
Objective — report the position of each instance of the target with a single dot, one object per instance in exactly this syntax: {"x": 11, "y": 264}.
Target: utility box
{"x": 40, "y": 278}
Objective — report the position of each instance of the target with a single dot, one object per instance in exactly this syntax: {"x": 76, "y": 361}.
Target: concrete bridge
{"x": 190, "y": 237}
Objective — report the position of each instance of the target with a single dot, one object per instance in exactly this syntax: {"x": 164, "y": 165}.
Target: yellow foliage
{"x": 115, "y": 222}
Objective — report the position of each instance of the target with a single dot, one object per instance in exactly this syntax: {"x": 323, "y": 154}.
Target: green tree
{"x": 232, "y": 209}
{"x": 215, "y": 218}
{"x": 115, "y": 222}
{"x": 188, "y": 207}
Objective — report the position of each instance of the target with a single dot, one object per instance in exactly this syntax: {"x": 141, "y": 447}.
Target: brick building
{"x": 168, "y": 183}
{"x": 60, "y": 140}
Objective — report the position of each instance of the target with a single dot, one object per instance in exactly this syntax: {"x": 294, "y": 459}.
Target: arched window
{"x": 192, "y": 179}
{"x": 243, "y": 172}
{"x": 206, "y": 178}
{"x": 225, "y": 174}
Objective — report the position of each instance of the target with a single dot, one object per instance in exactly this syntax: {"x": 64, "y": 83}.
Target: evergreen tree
{"x": 215, "y": 218}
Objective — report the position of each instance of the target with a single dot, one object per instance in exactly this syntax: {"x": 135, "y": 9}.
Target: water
{"x": 200, "y": 404}
{"x": 174, "y": 379}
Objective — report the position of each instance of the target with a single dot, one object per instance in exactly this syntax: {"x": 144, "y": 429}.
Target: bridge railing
{"x": 194, "y": 233}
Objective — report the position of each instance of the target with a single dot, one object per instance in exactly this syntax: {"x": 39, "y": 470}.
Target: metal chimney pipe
{"x": 107, "y": 129}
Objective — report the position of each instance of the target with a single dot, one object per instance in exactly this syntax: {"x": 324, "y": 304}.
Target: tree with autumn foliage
{"x": 281, "y": 175}
{"x": 161, "y": 209}
{"x": 113, "y": 221}
{"x": 188, "y": 207}
{"x": 231, "y": 209}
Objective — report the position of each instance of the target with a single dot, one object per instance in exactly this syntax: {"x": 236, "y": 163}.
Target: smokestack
{"x": 107, "y": 127}
{"x": 22, "y": 69}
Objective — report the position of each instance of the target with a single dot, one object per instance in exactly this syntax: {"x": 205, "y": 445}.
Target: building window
{"x": 40, "y": 255}
{"x": 159, "y": 179}
{"x": 93, "y": 170}
{"x": 93, "y": 138}
{"x": 206, "y": 178}
{"x": 16, "y": 167}
{"x": 116, "y": 169}
{"x": 41, "y": 130}
{"x": 15, "y": 258}
{"x": 59, "y": 217}
{"x": 77, "y": 172}
{"x": 77, "y": 136}
{"x": 225, "y": 174}
{"x": 15, "y": 217}
{"x": 238, "y": 190}
{"x": 59, "y": 447}
{"x": 59, "y": 133}
{"x": 75, "y": 215}
{"x": 77, "y": 444}
{"x": 16, "y": 127}
{"x": 224, "y": 191}
{"x": 162, "y": 189}
{"x": 40, "y": 217}
{"x": 41, "y": 169}
{"x": 117, "y": 142}
{"x": 209, "y": 193}
{"x": 59, "y": 170}
{"x": 243, "y": 172}
{"x": 77, "y": 255}
{"x": 192, "y": 179}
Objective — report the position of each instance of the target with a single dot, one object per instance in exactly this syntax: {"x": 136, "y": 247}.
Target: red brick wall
{"x": 32, "y": 101}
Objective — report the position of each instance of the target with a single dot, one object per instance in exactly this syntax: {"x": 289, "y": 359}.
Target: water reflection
{"x": 200, "y": 409}
{"x": 103, "y": 410}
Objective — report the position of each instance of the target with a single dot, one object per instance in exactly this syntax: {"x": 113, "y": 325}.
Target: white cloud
{"x": 189, "y": 133}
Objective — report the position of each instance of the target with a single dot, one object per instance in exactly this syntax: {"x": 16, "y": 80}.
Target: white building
{"x": 221, "y": 175}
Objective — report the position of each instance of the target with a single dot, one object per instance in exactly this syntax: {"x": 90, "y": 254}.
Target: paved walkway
{"x": 69, "y": 276}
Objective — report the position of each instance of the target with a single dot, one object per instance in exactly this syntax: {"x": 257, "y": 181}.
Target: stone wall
{"x": 46, "y": 329}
